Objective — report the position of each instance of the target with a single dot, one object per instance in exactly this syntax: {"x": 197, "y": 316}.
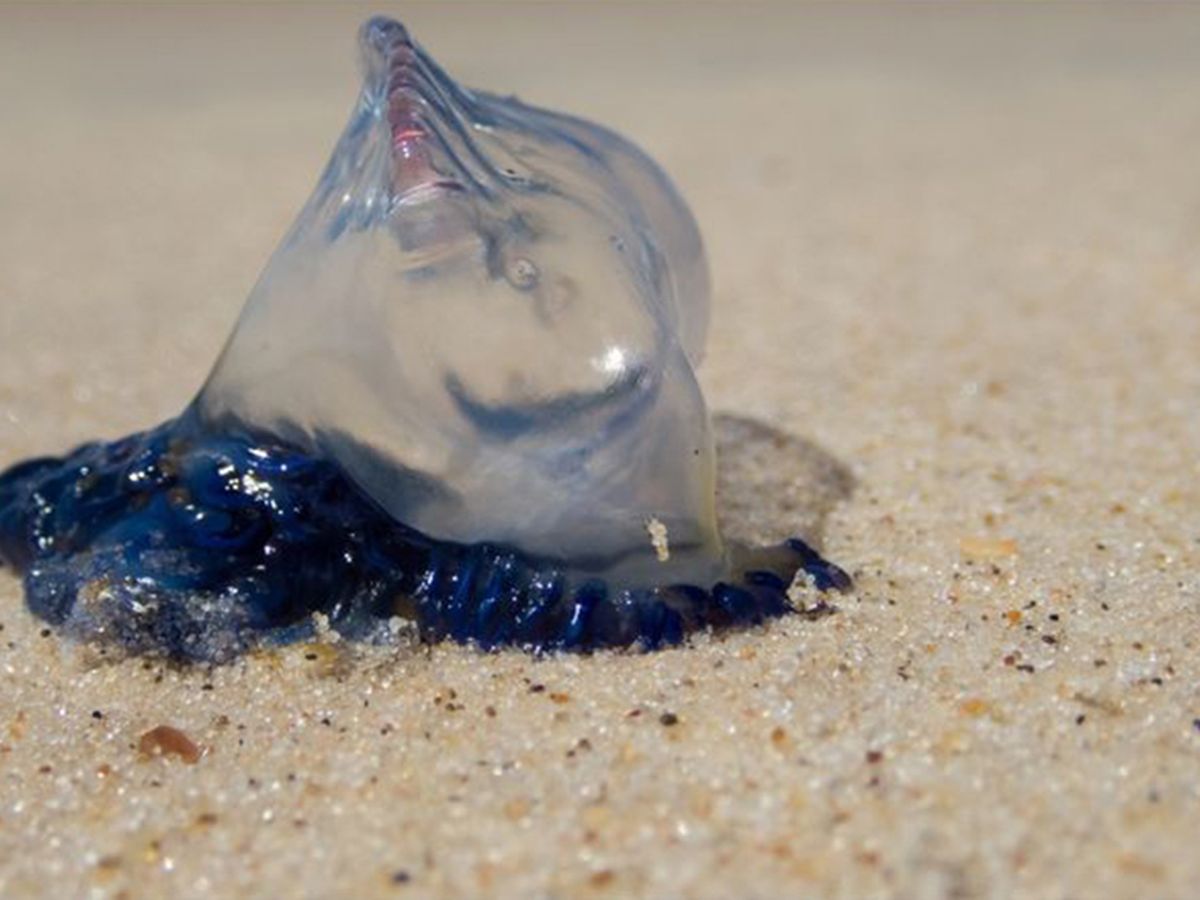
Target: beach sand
{"x": 956, "y": 342}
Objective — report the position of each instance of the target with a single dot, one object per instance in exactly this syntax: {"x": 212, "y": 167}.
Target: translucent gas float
{"x": 462, "y": 391}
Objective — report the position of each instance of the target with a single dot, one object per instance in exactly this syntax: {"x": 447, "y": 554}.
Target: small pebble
{"x": 987, "y": 548}
{"x": 168, "y": 741}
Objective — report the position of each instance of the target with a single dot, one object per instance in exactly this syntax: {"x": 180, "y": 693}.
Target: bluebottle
{"x": 462, "y": 392}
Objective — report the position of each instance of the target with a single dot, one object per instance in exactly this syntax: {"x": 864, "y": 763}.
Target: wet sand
{"x": 956, "y": 342}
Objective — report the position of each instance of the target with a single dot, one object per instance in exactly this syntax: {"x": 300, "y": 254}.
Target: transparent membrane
{"x": 488, "y": 315}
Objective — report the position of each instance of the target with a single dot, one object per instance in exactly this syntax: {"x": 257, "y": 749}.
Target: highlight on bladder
{"x": 462, "y": 392}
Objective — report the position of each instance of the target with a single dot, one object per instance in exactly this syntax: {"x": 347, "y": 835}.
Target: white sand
{"x": 955, "y": 257}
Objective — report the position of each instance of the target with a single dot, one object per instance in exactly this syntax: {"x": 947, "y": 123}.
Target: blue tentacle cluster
{"x": 197, "y": 546}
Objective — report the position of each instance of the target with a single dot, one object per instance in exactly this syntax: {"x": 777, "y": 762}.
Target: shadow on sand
{"x": 772, "y": 485}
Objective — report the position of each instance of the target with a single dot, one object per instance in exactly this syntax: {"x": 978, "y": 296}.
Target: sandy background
{"x": 958, "y": 314}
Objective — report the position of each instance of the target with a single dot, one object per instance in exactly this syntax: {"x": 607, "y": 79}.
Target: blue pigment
{"x": 199, "y": 547}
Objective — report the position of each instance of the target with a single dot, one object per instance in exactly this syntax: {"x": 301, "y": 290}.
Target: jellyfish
{"x": 462, "y": 393}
